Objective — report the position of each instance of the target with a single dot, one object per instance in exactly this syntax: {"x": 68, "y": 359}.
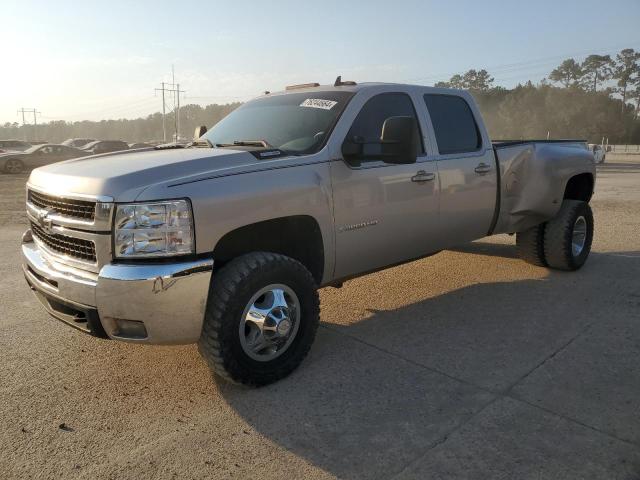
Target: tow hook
{"x": 27, "y": 237}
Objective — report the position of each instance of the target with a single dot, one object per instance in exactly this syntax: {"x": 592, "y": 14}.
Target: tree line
{"x": 589, "y": 100}
{"x": 144, "y": 129}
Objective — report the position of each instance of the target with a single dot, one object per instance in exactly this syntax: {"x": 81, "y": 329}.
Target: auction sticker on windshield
{"x": 318, "y": 103}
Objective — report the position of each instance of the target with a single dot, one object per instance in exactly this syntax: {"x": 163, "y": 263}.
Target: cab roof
{"x": 360, "y": 86}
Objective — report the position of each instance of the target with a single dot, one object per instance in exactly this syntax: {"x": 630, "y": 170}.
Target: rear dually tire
{"x": 530, "y": 245}
{"x": 568, "y": 236}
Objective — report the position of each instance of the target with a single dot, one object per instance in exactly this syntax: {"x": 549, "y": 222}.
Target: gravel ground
{"x": 469, "y": 364}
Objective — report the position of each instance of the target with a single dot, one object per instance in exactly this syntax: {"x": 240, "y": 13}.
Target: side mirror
{"x": 399, "y": 140}
{"x": 200, "y": 131}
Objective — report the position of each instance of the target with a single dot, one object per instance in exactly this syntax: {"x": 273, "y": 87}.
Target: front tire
{"x": 261, "y": 318}
{"x": 568, "y": 236}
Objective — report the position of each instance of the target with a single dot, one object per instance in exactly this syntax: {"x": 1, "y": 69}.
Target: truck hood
{"x": 124, "y": 175}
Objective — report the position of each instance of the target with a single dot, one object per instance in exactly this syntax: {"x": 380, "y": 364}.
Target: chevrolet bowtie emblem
{"x": 44, "y": 221}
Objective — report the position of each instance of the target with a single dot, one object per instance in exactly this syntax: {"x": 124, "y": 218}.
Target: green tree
{"x": 478, "y": 80}
{"x": 129, "y": 130}
{"x": 569, "y": 74}
{"x": 635, "y": 95}
{"x": 454, "y": 82}
{"x": 597, "y": 68}
{"x": 626, "y": 71}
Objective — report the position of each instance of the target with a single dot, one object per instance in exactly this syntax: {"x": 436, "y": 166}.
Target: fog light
{"x": 129, "y": 329}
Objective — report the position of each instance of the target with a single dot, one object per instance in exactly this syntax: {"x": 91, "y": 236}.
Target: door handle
{"x": 423, "y": 176}
{"x": 482, "y": 169}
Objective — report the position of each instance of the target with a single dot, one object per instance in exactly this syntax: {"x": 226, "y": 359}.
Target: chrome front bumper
{"x": 160, "y": 303}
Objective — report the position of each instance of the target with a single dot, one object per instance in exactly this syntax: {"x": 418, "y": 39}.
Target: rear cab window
{"x": 454, "y": 125}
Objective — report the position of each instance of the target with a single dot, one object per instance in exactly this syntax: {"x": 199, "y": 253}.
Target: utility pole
{"x": 176, "y": 103}
{"x": 178, "y": 114}
{"x": 164, "y": 126}
{"x": 175, "y": 117}
{"x": 175, "y": 91}
{"x": 24, "y": 130}
{"x": 35, "y": 124}
{"x": 24, "y": 123}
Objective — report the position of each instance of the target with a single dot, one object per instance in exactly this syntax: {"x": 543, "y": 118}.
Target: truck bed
{"x": 533, "y": 177}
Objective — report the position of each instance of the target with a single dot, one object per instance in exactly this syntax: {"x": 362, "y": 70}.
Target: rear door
{"x": 67, "y": 152}
{"x": 44, "y": 156}
{"x": 384, "y": 213}
{"x": 467, "y": 170}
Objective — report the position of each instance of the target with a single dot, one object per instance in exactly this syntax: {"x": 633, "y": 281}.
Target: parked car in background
{"x": 78, "y": 142}
{"x": 14, "y": 145}
{"x": 37, "y": 156}
{"x": 599, "y": 153}
{"x": 140, "y": 145}
{"x": 105, "y": 146}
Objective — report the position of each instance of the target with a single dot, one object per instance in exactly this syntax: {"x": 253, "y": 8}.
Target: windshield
{"x": 295, "y": 123}
{"x": 33, "y": 149}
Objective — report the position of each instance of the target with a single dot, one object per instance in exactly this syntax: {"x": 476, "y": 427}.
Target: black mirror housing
{"x": 399, "y": 140}
{"x": 398, "y": 143}
{"x": 200, "y": 131}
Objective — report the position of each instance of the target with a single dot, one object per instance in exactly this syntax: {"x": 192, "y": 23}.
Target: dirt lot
{"x": 469, "y": 364}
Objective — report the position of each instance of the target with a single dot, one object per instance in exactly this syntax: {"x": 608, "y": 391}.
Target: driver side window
{"x": 367, "y": 126}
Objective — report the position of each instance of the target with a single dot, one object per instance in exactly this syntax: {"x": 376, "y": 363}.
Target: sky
{"x": 92, "y": 60}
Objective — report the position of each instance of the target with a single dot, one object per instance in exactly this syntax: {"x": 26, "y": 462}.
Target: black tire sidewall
{"x": 241, "y": 279}
{"x": 581, "y": 209}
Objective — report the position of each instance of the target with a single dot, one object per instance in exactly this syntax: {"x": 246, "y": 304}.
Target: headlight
{"x": 158, "y": 229}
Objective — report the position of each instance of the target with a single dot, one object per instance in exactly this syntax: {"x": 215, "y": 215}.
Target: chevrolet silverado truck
{"x": 225, "y": 241}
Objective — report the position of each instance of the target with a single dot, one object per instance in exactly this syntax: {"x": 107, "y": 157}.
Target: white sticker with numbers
{"x": 318, "y": 103}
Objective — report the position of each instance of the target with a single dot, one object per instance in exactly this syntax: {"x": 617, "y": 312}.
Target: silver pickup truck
{"x": 225, "y": 241}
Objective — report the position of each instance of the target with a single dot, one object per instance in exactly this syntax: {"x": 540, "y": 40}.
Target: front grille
{"x": 73, "y": 247}
{"x": 67, "y": 207}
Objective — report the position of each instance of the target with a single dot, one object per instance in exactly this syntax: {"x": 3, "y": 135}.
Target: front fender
{"x": 223, "y": 204}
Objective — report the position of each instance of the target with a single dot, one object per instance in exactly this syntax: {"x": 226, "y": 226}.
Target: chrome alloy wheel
{"x": 269, "y": 322}
{"x": 579, "y": 236}
{"x": 13, "y": 166}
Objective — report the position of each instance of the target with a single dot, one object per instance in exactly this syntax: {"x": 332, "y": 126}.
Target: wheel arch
{"x": 296, "y": 236}
{"x": 579, "y": 187}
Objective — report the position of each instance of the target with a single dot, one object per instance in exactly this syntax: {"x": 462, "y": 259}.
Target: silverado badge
{"x": 44, "y": 221}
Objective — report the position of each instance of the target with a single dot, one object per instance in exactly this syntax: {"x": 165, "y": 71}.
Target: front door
{"x": 384, "y": 213}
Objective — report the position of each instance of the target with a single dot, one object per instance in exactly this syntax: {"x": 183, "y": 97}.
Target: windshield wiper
{"x": 245, "y": 143}
{"x": 168, "y": 146}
